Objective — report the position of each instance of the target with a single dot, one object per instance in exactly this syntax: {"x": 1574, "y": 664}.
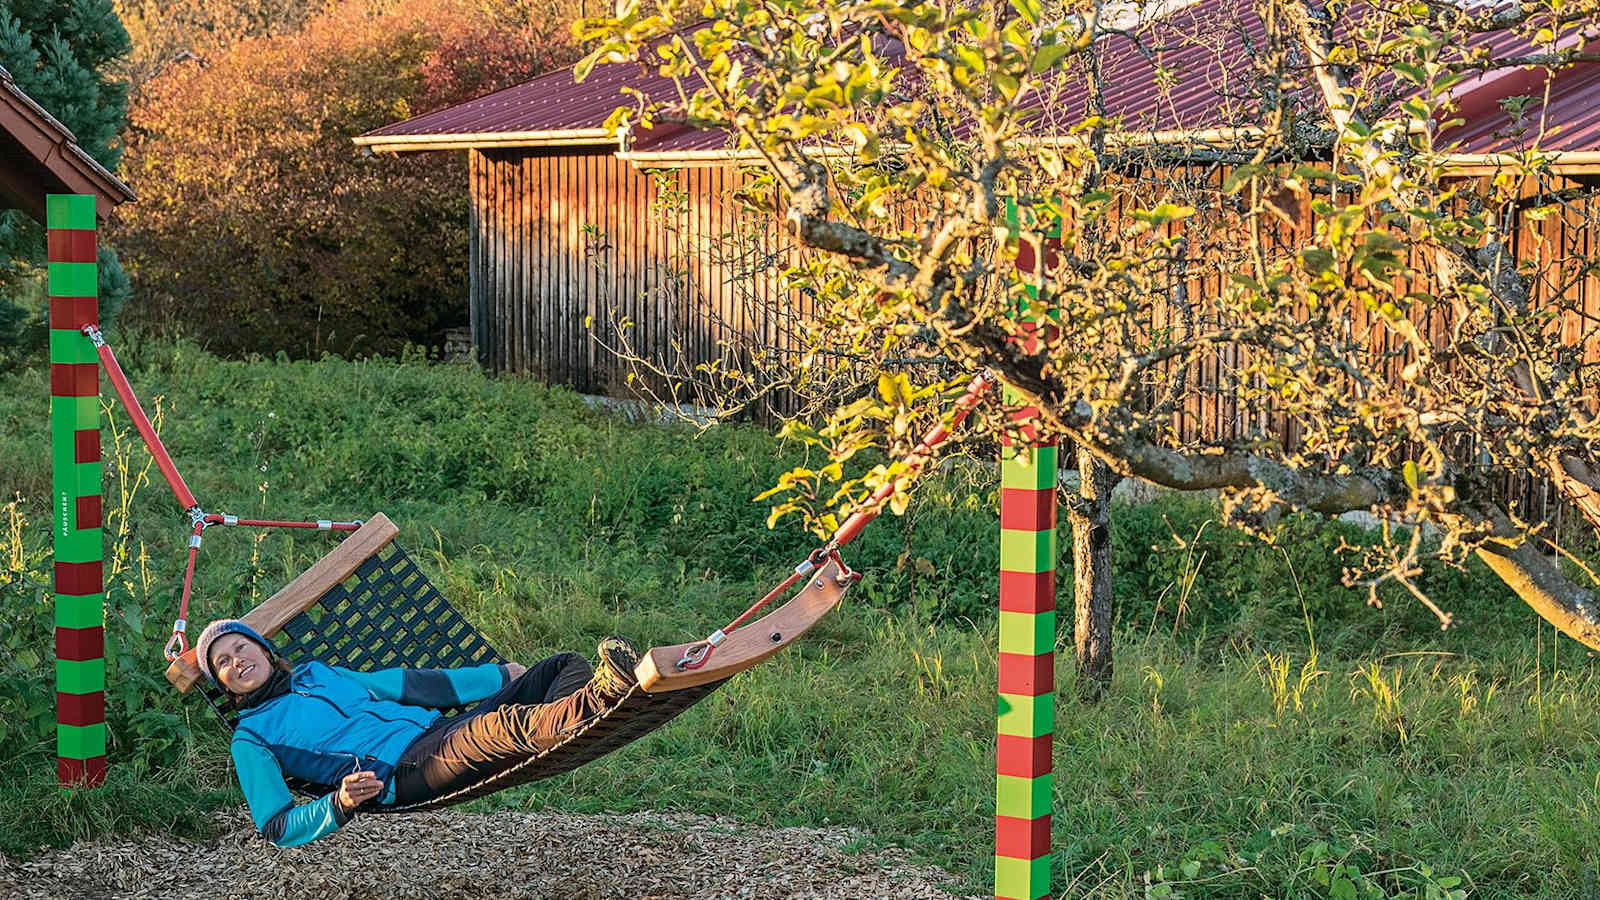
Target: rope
{"x": 698, "y": 654}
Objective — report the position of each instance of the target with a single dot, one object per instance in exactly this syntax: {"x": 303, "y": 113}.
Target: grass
{"x": 1266, "y": 733}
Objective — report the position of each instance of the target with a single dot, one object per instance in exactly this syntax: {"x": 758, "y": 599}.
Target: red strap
{"x": 915, "y": 460}
{"x": 698, "y": 654}
{"x": 178, "y": 644}
{"x": 325, "y": 525}
{"x": 119, "y": 381}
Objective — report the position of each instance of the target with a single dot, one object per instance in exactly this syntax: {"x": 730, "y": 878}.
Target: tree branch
{"x": 1539, "y": 582}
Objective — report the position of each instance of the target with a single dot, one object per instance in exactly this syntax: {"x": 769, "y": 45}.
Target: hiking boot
{"x": 613, "y": 677}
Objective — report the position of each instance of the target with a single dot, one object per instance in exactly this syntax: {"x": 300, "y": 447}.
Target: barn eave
{"x": 417, "y": 143}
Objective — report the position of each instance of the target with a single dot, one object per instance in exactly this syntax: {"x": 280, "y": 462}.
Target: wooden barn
{"x": 575, "y": 232}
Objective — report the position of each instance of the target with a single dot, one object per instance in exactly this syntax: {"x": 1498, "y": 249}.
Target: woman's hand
{"x": 356, "y": 789}
{"x": 514, "y": 671}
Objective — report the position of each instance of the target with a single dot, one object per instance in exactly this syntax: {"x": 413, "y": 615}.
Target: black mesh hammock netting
{"x": 388, "y": 614}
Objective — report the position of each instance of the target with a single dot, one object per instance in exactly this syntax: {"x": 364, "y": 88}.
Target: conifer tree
{"x": 59, "y": 53}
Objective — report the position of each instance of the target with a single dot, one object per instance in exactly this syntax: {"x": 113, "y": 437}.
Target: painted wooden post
{"x": 75, "y": 456}
{"x": 1026, "y": 722}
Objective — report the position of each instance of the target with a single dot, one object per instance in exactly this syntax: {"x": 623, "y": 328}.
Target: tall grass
{"x": 1266, "y": 733}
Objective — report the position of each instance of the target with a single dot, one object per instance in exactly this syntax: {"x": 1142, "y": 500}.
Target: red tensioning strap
{"x": 169, "y": 470}
{"x": 772, "y": 595}
{"x": 980, "y": 385}
{"x": 178, "y": 644}
{"x": 218, "y": 519}
{"x": 124, "y": 390}
{"x": 689, "y": 661}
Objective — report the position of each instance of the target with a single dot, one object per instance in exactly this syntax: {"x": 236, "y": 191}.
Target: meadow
{"x": 1267, "y": 733}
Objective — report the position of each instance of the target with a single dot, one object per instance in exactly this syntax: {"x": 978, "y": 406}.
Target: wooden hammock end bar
{"x": 302, "y": 593}
{"x": 658, "y": 671}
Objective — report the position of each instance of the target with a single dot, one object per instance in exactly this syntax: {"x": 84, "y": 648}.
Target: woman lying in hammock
{"x": 378, "y": 735}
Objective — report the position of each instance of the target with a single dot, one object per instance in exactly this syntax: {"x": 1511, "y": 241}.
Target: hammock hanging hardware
{"x": 199, "y": 519}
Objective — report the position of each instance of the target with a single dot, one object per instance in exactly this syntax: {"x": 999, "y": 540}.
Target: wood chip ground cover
{"x": 526, "y": 856}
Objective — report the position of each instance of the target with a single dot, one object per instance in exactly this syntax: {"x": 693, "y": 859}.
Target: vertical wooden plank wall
{"x": 568, "y": 246}
{"x": 677, "y": 272}
{"x": 475, "y": 281}
{"x": 478, "y": 284}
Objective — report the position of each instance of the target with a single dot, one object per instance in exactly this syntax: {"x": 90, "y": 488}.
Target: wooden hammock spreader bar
{"x": 302, "y": 593}
{"x": 658, "y": 670}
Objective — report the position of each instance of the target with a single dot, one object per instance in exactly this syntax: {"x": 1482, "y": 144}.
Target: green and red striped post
{"x": 1026, "y": 721}
{"x": 1024, "y": 781}
{"x": 75, "y": 455}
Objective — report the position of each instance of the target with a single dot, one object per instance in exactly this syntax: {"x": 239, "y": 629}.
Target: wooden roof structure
{"x": 40, "y": 156}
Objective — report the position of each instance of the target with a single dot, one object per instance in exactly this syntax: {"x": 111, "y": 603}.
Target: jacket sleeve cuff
{"x": 505, "y": 674}
{"x": 341, "y": 816}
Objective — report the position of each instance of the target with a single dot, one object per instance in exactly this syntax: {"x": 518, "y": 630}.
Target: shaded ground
{"x": 500, "y": 855}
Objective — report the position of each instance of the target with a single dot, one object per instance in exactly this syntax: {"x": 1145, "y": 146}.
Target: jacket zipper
{"x": 341, "y": 711}
{"x": 347, "y": 715}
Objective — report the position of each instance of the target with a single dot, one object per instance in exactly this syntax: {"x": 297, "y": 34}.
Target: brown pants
{"x": 524, "y": 718}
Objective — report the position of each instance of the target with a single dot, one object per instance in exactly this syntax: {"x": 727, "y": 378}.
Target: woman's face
{"x": 241, "y": 664}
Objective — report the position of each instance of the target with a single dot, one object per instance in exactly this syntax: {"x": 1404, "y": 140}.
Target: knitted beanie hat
{"x": 202, "y": 647}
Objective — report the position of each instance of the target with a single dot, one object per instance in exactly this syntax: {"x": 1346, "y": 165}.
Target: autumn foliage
{"x": 261, "y": 228}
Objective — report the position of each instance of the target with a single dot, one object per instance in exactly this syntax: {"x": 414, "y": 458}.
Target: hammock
{"x": 365, "y": 605}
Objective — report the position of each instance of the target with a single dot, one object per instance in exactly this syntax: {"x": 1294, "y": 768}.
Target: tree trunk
{"x": 1090, "y": 515}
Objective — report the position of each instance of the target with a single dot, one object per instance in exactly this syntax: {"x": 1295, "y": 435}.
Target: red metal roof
{"x": 1570, "y": 118}
{"x": 554, "y": 101}
{"x": 1198, "y": 90}
{"x": 1193, "y": 89}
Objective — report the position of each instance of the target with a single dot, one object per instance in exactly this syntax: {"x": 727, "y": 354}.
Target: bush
{"x": 261, "y": 227}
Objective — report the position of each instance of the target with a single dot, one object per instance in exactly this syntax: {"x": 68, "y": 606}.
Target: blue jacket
{"x": 335, "y": 721}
